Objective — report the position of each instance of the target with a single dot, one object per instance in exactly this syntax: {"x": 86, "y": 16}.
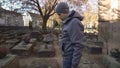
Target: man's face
{"x": 62, "y": 16}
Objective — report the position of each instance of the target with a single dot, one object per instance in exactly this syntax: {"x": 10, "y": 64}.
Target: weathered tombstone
{"x": 48, "y": 38}
{"x": 44, "y": 63}
{"x": 10, "y": 61}
{"x": 33, "y": 41}
{"x": 46, "y": 50}
{"x": 10, "y": 43}
{"x": 95, "y": 49}
{"x": 92, "y": 48}
{"x": 22, "y": 49}
{"x": 110, "y": 62}
{"x": 99, "y": 43}
{"x": 37, "y": 35}
{"x": 2, "y": 39}
{"x": 86, "y": 63}
{"x": 3, "y": 52}
{"x": 9, "y": 46}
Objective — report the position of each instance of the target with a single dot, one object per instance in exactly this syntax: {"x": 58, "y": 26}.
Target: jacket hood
{"x": 73, "y": 14}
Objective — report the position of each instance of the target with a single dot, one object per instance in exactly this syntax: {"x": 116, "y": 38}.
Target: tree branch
{"x": 52, "y": 13}
{"x": 35, "y": 9}
{"x": 34, "y": 1}
{"x": 39, "y": 8}
{"x": 54, "y": 4}
{"x": 32, "y": 4}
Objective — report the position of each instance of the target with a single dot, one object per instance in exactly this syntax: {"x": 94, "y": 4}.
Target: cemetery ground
{"x": 37, "y": 53}
{"x": 88, "y": 60}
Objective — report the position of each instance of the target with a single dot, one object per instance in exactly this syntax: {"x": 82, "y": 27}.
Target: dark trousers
{"x": 73, "y": 60}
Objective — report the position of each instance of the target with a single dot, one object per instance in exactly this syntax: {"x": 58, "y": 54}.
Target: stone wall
{"x": 10, "y": 18}
{"x": 111, "y": 15}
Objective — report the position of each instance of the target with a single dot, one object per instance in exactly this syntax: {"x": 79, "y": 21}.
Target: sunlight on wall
{"x": 114, "y": 6}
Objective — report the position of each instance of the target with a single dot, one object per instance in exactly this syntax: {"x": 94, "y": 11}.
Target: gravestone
{"x": 95, "y": 49}
{"x": 33, "y": 41}
{"x": 46, "y": 50}
{"x": 99, "y": 43}
{"x": 9, "y": 46}
{"x": 92, "y": 48}
{"x": 22, "y": 49}
{"x": 48, "y": 38}
{"x": 86, "y": 63}
{"x": 10, "y": 43}
{"x": 10, "y": 61}
{"x": 37, "y": 35}
{"x": 44, "y": 63}
{"x": 110, "y": 62}
{"x": 2, "y": 39}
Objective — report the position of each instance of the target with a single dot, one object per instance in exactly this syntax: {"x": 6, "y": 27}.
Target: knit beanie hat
{"x": 62, "y": 7}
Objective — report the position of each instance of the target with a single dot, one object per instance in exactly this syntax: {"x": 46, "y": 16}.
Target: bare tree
{"x": 78, "y": 2}
{"x": 44, "y": 7}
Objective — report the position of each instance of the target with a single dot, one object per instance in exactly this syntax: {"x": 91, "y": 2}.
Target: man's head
{"x": 62, "y": 9}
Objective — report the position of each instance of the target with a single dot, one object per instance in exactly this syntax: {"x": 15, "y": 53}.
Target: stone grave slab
{"x": 13, "y": 41}
{"x": 86, "y": 63}
{"x": 35, "y": 34}
{"x": 44, "y": 63}
{"x": 48, "y": 38}
{"x": 10, "y": 43}
{"x": 95, "y": 49}
{"x": 33, "y": 41}
{"x": 22, "y": 49}
{"x": 92, "y": 48}
{"x": 2, "y": 39}
{"x": 110, "y": 62}
{"x": 46, "y": 50}
{"x": 99, "y": 43}
{"x": 10, "y": 61}
{"x": 9, "y": 46}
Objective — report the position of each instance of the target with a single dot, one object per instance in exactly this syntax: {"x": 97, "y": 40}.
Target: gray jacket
{"x": 72, "y": 33}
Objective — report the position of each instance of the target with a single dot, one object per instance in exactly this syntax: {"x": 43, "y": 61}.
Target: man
{"x": 72, "y": 34}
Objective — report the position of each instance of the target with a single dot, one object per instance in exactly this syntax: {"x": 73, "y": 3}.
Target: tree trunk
{"x": 44, "y": 25}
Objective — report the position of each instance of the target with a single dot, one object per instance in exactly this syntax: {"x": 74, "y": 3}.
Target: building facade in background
{"x": 10, "y": 18}
{"x": 109, "y": 13}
